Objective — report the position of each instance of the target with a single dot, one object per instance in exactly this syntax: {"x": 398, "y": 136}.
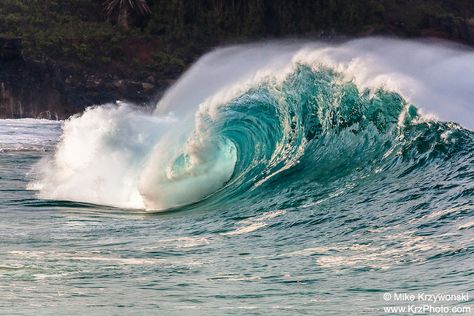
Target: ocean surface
{"x": 278, "y": 178}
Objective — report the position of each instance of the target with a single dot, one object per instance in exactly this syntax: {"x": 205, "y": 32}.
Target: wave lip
{"x": 313, "y": 110}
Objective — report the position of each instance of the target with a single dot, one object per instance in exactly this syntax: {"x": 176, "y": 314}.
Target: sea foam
{"x": 123, "y": 156}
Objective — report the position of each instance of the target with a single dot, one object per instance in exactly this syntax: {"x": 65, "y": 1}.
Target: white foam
{"x": 254, "y": 223}
{"x": 120, "y": 156}
{"x": 245, "y": 229}
{"x": 28, "y": 134}
{"x": 466, "y": 225}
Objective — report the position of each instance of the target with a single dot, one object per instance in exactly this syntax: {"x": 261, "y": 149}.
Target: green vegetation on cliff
{"x": 176, "y": 31}
{"x": 60, "y": 56}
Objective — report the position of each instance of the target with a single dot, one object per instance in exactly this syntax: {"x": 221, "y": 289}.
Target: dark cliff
{"x": 56, "y": 91}
{"x": 58, "y": 57}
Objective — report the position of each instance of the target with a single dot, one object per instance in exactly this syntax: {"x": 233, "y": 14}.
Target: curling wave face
{"x": 275, "y": 122}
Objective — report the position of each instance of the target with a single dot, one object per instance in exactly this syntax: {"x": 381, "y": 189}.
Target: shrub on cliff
{"x": 122, "y": 8}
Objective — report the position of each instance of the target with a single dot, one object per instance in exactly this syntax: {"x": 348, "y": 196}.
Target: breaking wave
{"x": 271, "y": 121}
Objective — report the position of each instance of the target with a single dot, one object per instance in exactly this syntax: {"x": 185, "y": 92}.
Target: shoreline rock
{"x": 48, "y": 90}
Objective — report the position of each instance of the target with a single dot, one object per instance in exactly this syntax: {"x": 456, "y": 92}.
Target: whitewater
{"x": 297, "y": 177}
{"x": 184, "y": 152}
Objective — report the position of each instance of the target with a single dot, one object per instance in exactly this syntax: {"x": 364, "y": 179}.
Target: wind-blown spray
{"x": 246, "y": 115}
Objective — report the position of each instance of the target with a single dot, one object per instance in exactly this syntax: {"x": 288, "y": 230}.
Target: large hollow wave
{"x": 253, "y": 121}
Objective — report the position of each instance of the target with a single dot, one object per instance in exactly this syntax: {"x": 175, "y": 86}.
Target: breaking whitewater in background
{"x": 306, "y": 176}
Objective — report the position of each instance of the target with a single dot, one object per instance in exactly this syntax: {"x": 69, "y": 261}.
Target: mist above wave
{"x": 437, "y": 77}
{"x": 187, "y": 150}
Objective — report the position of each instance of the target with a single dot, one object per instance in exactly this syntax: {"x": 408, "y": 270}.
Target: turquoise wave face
{"x": 315, "y": 128}
{"x": 312, "y": 128}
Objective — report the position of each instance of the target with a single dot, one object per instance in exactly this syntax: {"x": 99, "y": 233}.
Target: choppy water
{"x": 294, "y": 190}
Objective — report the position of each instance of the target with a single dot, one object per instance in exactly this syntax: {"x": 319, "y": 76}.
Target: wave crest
{"x": 307, "y": 121}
